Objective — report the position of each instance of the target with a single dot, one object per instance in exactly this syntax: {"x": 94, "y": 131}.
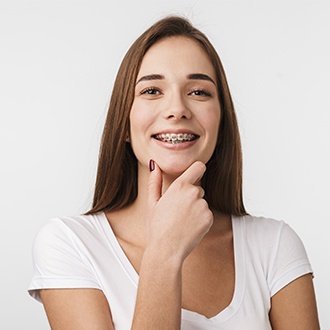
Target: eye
{"x": 200, "y": 92}
{"x": 150, "y": 91}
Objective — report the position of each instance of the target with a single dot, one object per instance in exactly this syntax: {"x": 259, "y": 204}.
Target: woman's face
{"x": 175, "y": 115}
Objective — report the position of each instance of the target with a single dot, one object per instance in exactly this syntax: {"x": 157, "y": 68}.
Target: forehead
{"x": 180, "y": 55}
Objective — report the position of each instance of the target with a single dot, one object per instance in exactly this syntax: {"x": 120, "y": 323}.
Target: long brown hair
{"x": 116, "y": 181}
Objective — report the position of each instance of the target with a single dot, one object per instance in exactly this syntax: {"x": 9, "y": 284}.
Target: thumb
{"x": 155, "y": 183}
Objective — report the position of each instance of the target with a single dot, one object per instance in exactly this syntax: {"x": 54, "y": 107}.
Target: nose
{"x": 177, "y": 108}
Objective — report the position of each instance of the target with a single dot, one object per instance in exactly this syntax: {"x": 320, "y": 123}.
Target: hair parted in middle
{"x": 116, "y": 181}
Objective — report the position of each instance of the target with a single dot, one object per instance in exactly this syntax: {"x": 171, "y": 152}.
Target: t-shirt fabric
{"x": 83, "y": 252}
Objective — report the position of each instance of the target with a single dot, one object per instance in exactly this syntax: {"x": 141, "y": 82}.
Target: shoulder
{"x": 66, "y": 240}
{"x": 265, "y": 231}
{"x": 276, "y": 248}
{"x": 260, "y": 224}
{"x": 60, "y": 254}
{"x": 67, "y": 232}
{"x": 268, "y": 237}
{"x": 69, "y": 225}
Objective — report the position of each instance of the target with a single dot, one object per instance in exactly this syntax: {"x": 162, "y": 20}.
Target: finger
{"x": 201, "y": 192}
{"x": 193, "y": 173}
{"x": 155, "y": 184}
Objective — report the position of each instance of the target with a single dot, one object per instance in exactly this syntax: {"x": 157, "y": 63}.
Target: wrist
{"x": 162, "y": 258}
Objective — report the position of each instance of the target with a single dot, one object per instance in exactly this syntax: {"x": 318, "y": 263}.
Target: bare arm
{"x": 178, "y": 221}
{"x": 294, "y": 307}
{"x": 158, "y": 303}
{"x": 77, "y": 309}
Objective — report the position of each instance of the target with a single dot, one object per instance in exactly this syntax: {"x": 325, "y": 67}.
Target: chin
{"x": 173, "y": 173}
{"x": 174, "y": 169}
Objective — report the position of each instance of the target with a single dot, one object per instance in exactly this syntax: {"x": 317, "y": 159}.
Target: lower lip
{"x": 175, "y": 146}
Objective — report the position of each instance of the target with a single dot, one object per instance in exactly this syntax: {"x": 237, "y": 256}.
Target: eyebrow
{"x": 151, "y": 77}
{"x": 200, "y": 76}
{"x": 192, "y": 76}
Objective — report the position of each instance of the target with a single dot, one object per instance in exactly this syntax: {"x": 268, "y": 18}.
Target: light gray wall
{"x": 58, "y": 60}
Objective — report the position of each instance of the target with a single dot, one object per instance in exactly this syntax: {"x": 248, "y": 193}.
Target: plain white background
{"x": 58, "y": 61}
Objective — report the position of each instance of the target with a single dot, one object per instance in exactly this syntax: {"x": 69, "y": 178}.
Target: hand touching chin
{"x": 173, "y": 169}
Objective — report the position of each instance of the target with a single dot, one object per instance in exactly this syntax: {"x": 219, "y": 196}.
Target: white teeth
{"x": 175, "y": 138}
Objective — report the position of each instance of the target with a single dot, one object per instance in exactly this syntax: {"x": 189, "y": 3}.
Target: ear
{"x": 127, "y": 139}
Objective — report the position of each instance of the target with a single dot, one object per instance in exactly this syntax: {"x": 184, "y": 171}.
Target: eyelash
{"x": 152, "y": 90}
{"x": 149, "y": 89}
{"x": 202, "y": 91}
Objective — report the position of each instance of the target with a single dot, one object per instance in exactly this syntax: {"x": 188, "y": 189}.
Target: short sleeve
{"x": 58, "y": 261}
{"x": 290, "y": 260}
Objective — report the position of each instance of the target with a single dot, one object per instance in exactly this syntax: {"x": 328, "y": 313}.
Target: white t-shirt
{"x": 83, "y": 252}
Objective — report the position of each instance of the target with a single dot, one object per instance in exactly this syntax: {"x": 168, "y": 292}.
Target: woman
{"x": 168, "y": 243}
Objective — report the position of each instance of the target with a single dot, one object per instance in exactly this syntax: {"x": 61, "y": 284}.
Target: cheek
{"x": 136, "y": 119}
{"x": 140, "y": 120}
{"x": 212, "y": 124}
{"x": 211, "y": 121}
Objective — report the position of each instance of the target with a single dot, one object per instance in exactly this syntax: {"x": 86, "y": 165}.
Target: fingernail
{"x": 151, "y": 165}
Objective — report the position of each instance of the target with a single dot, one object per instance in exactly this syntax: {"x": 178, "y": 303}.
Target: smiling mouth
{"x": 175, "y": 138}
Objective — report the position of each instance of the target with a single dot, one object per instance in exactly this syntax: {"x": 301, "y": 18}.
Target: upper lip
{"x": 176, "y": 131}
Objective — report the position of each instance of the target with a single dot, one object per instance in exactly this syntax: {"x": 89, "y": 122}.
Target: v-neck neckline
{"x": 239, "y": 264}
